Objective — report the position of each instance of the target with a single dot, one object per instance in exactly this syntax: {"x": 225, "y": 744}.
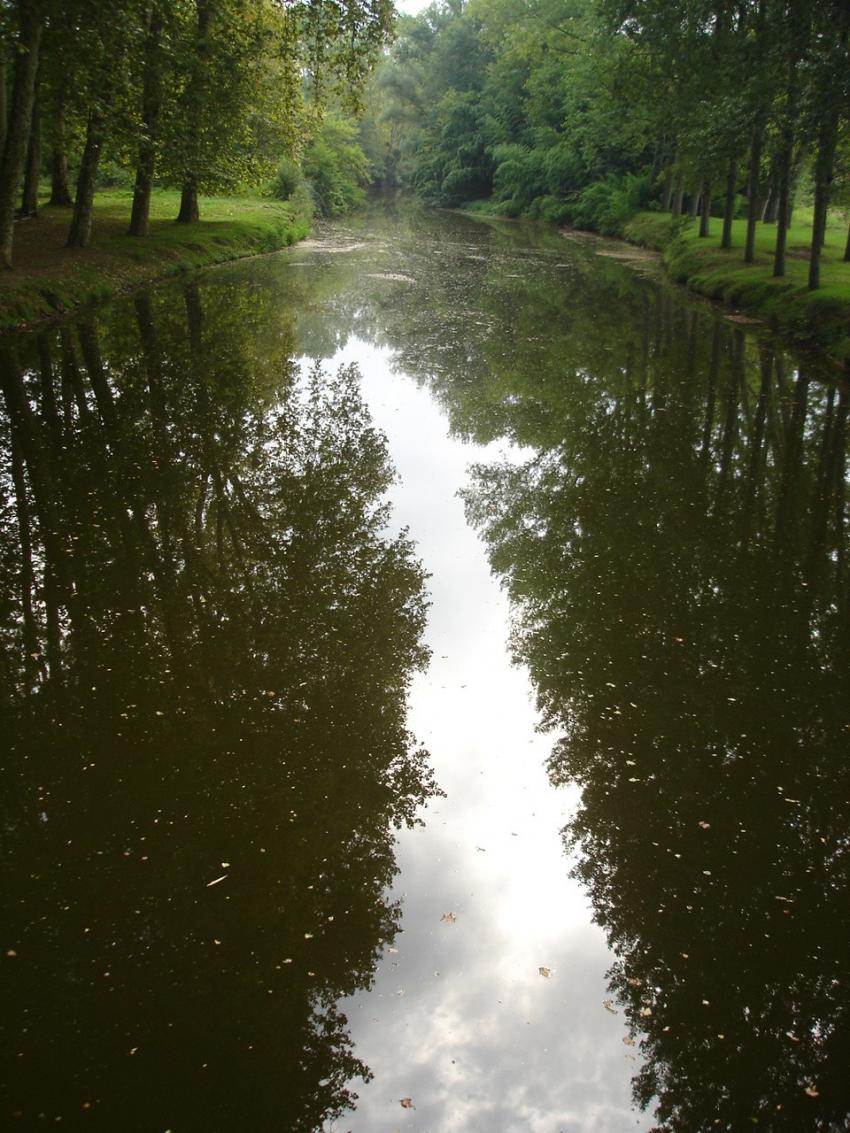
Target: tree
{"x": 28, "y": 26}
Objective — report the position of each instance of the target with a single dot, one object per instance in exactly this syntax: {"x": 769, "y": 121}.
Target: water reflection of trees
{"x": 676, "y": 551}
{"x": 206, "y": 640}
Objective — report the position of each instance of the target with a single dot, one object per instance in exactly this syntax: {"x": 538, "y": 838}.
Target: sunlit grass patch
{"x": 49, "y": 278}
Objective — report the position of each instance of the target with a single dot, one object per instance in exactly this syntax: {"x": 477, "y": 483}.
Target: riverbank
{"x": 49, "y": 279}
{"x": 819, "y": 319}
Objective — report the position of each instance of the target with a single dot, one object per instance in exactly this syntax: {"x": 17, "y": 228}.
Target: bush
{"x": 287, "y": 179}
{"x": 336, "y": 168}
{"x": 558, "y": 212}
{"x": 607, "y": 205}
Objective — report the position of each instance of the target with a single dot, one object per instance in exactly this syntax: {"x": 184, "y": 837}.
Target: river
{"x": 425, "y": 656}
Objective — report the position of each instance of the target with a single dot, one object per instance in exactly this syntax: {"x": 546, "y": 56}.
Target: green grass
{"x": 813, "y": 318}
{"x": 50, "y": 279}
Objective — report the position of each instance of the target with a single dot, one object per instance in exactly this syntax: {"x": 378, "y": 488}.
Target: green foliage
{"x": 336, "y": 168}
{"x": 607, "y": 205}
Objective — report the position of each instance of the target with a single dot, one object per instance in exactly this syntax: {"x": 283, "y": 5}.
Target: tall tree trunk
{"x": 825, "y": 160}
{"x": 753, "y": 193}
{"x": 195, "y": 112}
{"x": 17, "y": 135}
{"x": 770, "y": 212}
{"x": 667, "y": 194}
{"x": 3, "y": 111}
{"x": 784, "y": 161}
{"x": 80, "y": 231}
{"x": 32, "y": 171}
{"x": 824, "y": 165}
{"x": 60, "y": 188}
{"x": 678, "y": 193}
{"x": 693, "y": 205}
{"x": 151, "y": 105}
{"x": 705, "y": 211}
{"x": 796, "y": 169}
{"x": 729, "y": 206}
{"x": 784, "y": 202}
{"x": 847, "y": 248}
{"x": 770, "y": 202}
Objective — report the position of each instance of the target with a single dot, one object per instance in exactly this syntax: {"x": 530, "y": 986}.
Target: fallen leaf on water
{"x": 704, "y": 825}
{"x": 646, "y": 1012}
{"x": 608, "y": 1004}
{"x": 407, "y": 1103}
{"x": 812, "y": 1091}
{"x": 628, "y": 1041}
{"x": 545, "y": 972}
{"x": 448, "y": 918}
{"x": 217, "y": 880}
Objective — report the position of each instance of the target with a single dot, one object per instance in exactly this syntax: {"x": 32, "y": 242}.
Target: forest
{"x": 585, "y": 112}
{"x": 202, "y": 96}
{"x": 578, "y": 112}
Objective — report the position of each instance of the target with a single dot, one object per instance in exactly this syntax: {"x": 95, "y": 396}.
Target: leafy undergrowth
{"x": 50, "y": 279}
{"x": 819, "y": 318}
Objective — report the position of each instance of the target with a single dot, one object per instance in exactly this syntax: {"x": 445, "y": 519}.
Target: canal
{"x": 425, "y": 659}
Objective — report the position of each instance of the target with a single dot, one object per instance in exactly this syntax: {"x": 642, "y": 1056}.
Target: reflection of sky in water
{"x": 460, "y": 1018}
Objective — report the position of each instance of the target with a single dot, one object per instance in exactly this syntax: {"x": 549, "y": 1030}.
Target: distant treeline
{"x": 584, "y": 111}
{"x": 201, "y": 95}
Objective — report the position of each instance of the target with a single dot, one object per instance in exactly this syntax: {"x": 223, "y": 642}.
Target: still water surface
{"x": 425, "y": 657}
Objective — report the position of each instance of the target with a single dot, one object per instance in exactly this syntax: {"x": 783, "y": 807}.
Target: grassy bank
{"x": 818, "y": 319}
{"x": 50, "y": 279}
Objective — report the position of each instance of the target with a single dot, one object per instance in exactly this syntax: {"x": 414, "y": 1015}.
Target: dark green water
{"x": 288, "y": 551}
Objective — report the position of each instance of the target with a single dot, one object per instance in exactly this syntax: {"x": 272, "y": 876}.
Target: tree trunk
{"x": 825, "y": 161}
{"x": 847, "y": 248}
{"x": 32, "y": 172}
{"x": 729, "y": 207}
{"x": 784, "y": 161}
{"x": 770, "y": 201}
{"x": 796, "y": 169}
{"x": 17, "y": 136}
{"x": 824, "y": 165}
{"x": 753, "y": 194}
{"x": 705, "y": 211}
{"x": 60, "y": 189}
{"x": 771, "y": 205}
{"x": 667, "y": 195}
{"x": 195, "y": 112}
{"x": 693, "y": 205}
{"x": 80, "y": 231}
{"x": 3, "y": 113}
{"x": 189, "y": 211}
{"x": 784, "y": 202}
{"x": 678, "y": 193}
{"x": 151, "y": 105}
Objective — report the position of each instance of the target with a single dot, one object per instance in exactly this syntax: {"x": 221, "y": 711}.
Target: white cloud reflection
{"x": 460, "y": 1019}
